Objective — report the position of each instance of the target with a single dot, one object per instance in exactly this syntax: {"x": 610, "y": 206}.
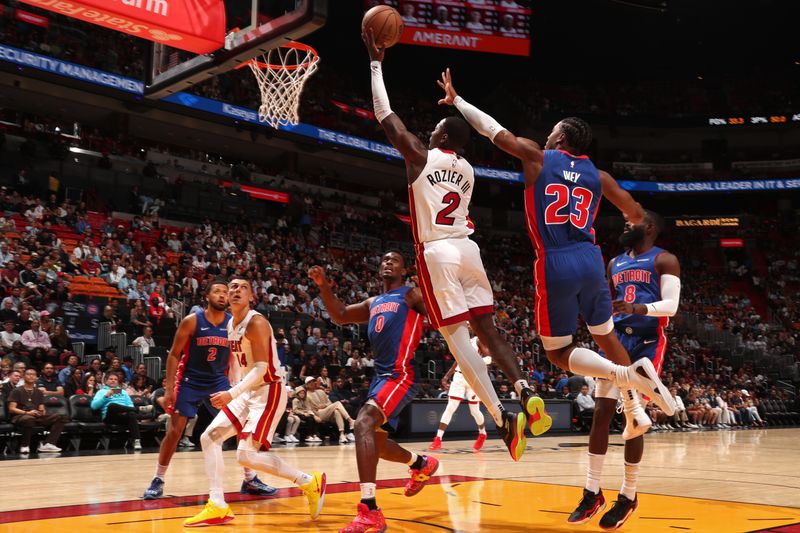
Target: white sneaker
{"x": 313, "y": 438}
{"x": 293, "y": 438}
{"x": 642, "y": 376}
{"x": 137, "y": 444}
{"x": 278, "y": 438}
{"x": 24, "y": 450}
{"x": 636, "y": 420}
{"x": 350, "y": 437}
{"x": 46, "y": 447}
{"x": 185, "y": 442}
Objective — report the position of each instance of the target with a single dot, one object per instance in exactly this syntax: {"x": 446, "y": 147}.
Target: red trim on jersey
{"x": 261, "y": 433}
{"x": 661, "y": 349}
{"x": 594, "y": 217}
{"x": 413, "y": 212}
{"x": 456, "y": 319}
{"x": 483, "y": 310}
{"x": 270, "y": 375}
{"x": 542, "y": 316}
{"x": 179, "y": 374}
{"x": 434, "y": 313}
{"x": 235, "y": 421}
{"x": 412, "y": 333}
{"x": 448, "y": 152}
{"x": 575, "y": 156}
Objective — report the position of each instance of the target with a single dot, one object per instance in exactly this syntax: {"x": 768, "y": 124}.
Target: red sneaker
{"x": 366, "y": 521}
{"x": 421, "y": 476}
{"x": 479, "y": 442}
{"x": 436, "y": 444}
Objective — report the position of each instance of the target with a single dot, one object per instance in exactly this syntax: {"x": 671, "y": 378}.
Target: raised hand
{"x": 446, "y": 83}
{"x": 375, "y": 52}
{"x": 317, "y": 275}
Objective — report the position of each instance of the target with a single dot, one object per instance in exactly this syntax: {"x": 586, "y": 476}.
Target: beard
{"x": 630, "y": 239}
{"x": 217, "y": 307}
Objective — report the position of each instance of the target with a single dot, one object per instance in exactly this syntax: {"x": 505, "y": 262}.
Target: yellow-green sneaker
{"x": 315, "y": 492}
{"x": 211, "y": 515}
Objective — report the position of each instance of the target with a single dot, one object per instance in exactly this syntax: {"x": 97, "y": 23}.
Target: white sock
{"x": 629, "y": 481}
{"x": 475, "y": 411}
{"x": 413, "y": 459}
{"x": 249, "y": 474}
{"x": 585, "y": 362}
{"x": 271, "y": 464}
{"x": 594, "y": 471}
{"x": 473, "y": 368}
{"x": 367, "y": 491}
{"x": 161, "y": 471}
{"x": 519, "y": 385}
{"x": 440, "y": 433}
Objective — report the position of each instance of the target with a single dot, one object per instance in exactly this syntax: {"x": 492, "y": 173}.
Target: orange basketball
{"x": 386, "y": 24}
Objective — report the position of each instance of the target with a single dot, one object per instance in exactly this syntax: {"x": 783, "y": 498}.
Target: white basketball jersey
{"x": 439, "y": 198}
{"x": 242, "y": 353}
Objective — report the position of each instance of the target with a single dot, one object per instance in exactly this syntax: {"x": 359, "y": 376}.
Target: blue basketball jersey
{"x": 636, "y": 280}
{"x": 562, "y": 204}
{"x": 394, "y": 331}
{"x": 205, "y": 359}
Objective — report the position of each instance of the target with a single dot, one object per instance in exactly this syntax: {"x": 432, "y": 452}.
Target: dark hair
{"x": 457, "y": 131}
{"x": 578, "y": 134}
{"x": 217, "y": 281}
{"x": 655, "y": 219}
{"x": 396, "y": 251}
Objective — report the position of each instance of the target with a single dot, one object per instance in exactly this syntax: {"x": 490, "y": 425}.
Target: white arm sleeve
{"x": 380, "y": 99}
{"x": 483, "y": 123}
{"x": 670, "y": 297}
{"x": 253, "y": 378}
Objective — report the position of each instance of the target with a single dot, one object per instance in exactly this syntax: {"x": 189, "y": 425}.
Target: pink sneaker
{"x": 421, "y": 476}
{"x": 366, "y": 521}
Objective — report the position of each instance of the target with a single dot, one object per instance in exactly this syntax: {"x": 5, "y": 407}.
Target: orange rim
{"x": 291, "y": 45}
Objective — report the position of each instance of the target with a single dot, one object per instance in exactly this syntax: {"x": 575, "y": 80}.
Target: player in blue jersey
{"x": 394, "y": 321}
{"x": 646, "y": 284}
{"x": 197, "y": 367}
{"x": 562, "y": 193}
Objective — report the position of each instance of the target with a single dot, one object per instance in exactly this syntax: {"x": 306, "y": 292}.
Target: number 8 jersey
{"x": 562, "y": 204}
{"x": 440, "y": 196}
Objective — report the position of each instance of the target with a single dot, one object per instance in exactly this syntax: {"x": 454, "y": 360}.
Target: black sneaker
{"x": 538, "y": 419}
{"x": 590, "y": 505}
{"x": 513, "y": 433}
{"x": 618, "y": 514}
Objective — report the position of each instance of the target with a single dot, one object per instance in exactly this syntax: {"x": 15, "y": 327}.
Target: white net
{"x": 281, "y": 74}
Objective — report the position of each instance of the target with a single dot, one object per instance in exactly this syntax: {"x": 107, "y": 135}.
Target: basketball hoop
{"x": 281, "y": 74}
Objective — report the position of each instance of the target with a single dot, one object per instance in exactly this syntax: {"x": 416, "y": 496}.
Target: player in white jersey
{"x": 460, "y": 391}
{"x": 251, "y": 409}
{"x": 452, "y": 278}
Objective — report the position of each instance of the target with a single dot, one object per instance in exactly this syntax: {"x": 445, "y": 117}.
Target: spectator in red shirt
{"x": 156, "y": 304}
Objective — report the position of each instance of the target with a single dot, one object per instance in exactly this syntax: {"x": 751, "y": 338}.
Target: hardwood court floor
{"x": 711, "y": 481}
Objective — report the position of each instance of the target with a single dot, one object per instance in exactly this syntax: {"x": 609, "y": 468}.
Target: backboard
{"x": 253, "y": 27}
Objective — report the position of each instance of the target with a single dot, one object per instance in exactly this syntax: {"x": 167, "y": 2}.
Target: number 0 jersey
{"x": 636, "y": 280}
{"x": 205, "y": 357}
{"x": 242, "y": 352}
{"x": 562, "y": 204}
{"x": 394, "y": 331}
{"x": 439, "y": 198}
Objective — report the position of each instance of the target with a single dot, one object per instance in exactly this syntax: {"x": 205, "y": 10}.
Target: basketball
{"x": 386, "y": 25}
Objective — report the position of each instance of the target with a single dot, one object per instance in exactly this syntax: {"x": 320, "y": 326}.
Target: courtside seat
{"x": 7, "y": 432}
{"x": 89, "y": 423}
{"x": 147, "y": 417}
{"x": 58, "y": 405}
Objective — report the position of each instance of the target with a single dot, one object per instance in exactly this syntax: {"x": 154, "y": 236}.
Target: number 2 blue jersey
{"x": 636, "y": 280}
{"x": 394, "y": 331}
{"x": 205, "y": 358}
{"x": 562, "y": 204}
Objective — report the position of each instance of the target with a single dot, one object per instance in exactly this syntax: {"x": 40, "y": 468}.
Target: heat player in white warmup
{"x": 251, "y": 410}
{"x": 451, "y": 274}
{"x": 460, "y": 391}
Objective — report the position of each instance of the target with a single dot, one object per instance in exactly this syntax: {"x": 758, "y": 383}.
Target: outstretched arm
{"x": 520, "y": 147}
{"x": 406, "y": 143}
{"x": 340, "y": 313}
{"x": 621, "y": 198}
